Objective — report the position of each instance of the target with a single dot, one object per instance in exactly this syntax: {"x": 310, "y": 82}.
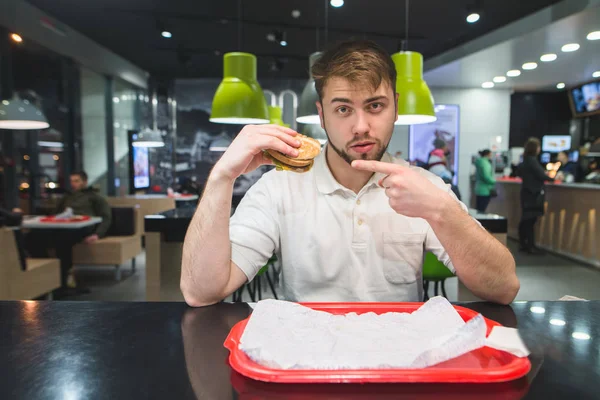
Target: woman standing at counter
{"x": 532, "y": 194}
{"x": 484, "y": 180}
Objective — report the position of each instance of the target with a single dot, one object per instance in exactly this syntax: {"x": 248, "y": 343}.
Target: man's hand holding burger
{"x": 245, "y": 153}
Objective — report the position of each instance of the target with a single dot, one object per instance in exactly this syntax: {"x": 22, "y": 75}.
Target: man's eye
{"x": 343, "y": 110}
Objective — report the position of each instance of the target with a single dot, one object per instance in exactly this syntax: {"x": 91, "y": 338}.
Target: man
{"x": 83, "y": 200}
{"x": 355, "y": 227}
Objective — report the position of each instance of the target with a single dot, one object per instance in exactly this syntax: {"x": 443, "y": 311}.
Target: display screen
{"x": 545, "y": 158}
{"x": 141, "y": 170}
{"x": 574, "y": 156}
{"x": 585, "y": 99}
{"x": 554, "y": 144}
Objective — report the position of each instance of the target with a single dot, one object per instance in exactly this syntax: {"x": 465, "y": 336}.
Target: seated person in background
{"x": 569, "y": 171}
{"x": 83, "y": 200}
{"x": 357, "y": 225}
{"x": 11, "y": 218}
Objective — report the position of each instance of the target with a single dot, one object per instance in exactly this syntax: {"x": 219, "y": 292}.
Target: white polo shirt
{"x": 334, "y": 245}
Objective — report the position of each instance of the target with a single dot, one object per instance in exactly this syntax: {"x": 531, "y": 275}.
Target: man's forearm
{"x": 482, "y": 263}
{"x": 207, "y": 250}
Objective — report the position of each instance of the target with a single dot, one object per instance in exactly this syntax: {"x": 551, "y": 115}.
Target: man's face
{"x": 359, "y": 122}
{"x": 77, "y": 183}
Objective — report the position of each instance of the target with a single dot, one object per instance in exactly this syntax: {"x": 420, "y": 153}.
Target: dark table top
{"x": 92, "y": 350}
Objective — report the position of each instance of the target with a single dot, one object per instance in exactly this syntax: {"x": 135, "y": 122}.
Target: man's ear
{"x": 320, "y": 111}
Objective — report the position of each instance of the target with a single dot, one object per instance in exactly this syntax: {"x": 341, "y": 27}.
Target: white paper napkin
{"x": 287, "y": 335}
{"x": 507, "y": 339}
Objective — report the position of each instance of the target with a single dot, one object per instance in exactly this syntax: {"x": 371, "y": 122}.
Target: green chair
{"x": 254, "y": 288}
{"x": 434, "y": 271}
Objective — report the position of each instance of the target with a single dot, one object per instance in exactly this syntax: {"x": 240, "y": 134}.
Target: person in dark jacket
{"x": 532, "y": 194}
{"x": 83, "y": 200}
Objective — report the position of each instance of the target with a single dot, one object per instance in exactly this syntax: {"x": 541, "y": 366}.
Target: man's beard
{"x": 365, "y": 156}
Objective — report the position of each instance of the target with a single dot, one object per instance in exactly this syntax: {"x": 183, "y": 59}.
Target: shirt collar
{"x": 326, "y": 183}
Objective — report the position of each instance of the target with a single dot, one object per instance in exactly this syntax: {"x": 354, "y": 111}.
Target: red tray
{"x": 479, "y": 366}
{"x": 54, "y": 220}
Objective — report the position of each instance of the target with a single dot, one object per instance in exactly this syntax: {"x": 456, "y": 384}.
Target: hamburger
{"x": 308, "y": 150}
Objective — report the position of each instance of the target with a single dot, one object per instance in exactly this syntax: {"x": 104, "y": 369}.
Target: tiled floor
{"x": 542, "y": 278}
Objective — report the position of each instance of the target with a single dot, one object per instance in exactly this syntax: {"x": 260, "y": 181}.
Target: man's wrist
{"x": 221, "y": 176}
{"x": 444, "y": 206}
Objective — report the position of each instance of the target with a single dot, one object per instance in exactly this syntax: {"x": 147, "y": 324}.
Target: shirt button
{"x": 358, "y": 202}
{"x": 360, "y": 221}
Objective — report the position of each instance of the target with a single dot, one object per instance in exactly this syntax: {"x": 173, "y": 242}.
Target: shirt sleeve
{"x": 254, "y": 229}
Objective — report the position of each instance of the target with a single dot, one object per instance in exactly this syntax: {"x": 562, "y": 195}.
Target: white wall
{"x": 399, "y": 141}
{"x": 484, "y": 115}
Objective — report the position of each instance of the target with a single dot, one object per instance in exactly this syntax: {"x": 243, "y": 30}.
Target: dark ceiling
{"x": 204, "y": 30}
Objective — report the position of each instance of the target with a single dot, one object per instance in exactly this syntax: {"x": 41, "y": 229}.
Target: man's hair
{"x": 531, "y": 146}
{"x": 362, "y": 62}
{"x": 81, "y": 174}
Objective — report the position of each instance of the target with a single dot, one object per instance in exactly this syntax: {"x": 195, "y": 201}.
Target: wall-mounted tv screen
{"x": 556, "y": 143}
{"x": 585, "y": 99}
{"x": 141, "y": 168}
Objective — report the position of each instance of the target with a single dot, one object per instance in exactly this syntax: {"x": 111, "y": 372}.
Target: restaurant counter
{"x": 112, "y": 350}
{"x": 570, "y": 226}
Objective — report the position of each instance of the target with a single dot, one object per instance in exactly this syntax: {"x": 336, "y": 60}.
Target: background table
{"x": 33, "y": 222}
{"x": 85, "y": 350}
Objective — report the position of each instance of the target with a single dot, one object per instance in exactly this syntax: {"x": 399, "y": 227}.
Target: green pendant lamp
{"x": 307, "y": 109}
{"x": 20, "y": 114}
{"x": 276, "y": 116}
{"x": 415, "y": 102}
{"x": 239, "y": 98}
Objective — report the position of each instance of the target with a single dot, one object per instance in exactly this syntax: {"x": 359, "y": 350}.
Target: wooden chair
{"x": 113, "y": 250}
{"x": 40, "y": 277}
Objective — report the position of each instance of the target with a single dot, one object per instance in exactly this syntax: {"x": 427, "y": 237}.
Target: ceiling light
{"x": 45, "y": 143}
{"x": 499, "y": 79}
{"x": 537, "y": 310}
{"x": 116, "y": 99}
{"x": 336, "y": 3}
{"x": 548, "y": 57}
{"x": 296, "y": 14}
{"x": 16, "y": 37}
{"x": 148, "y": 138}
{"x": 271, "y": 37}
{"x": 593, "y": 35}
{"x": 568, "y": 48}
{"x": 20, "y": 114}
{"x": 473, "y": 17}
{"x": 557, "y": 322}
{"x": 560, "y": 85}
{"x": 513, "y": 73}
{"x": 487, "y": 85}
{"x": 529, "y": 66}
{"x": 283, "y": 43}
{"x": 596, "y": 74}
{"x": 166, "y": 34}
{"x": 581, "y": 336}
